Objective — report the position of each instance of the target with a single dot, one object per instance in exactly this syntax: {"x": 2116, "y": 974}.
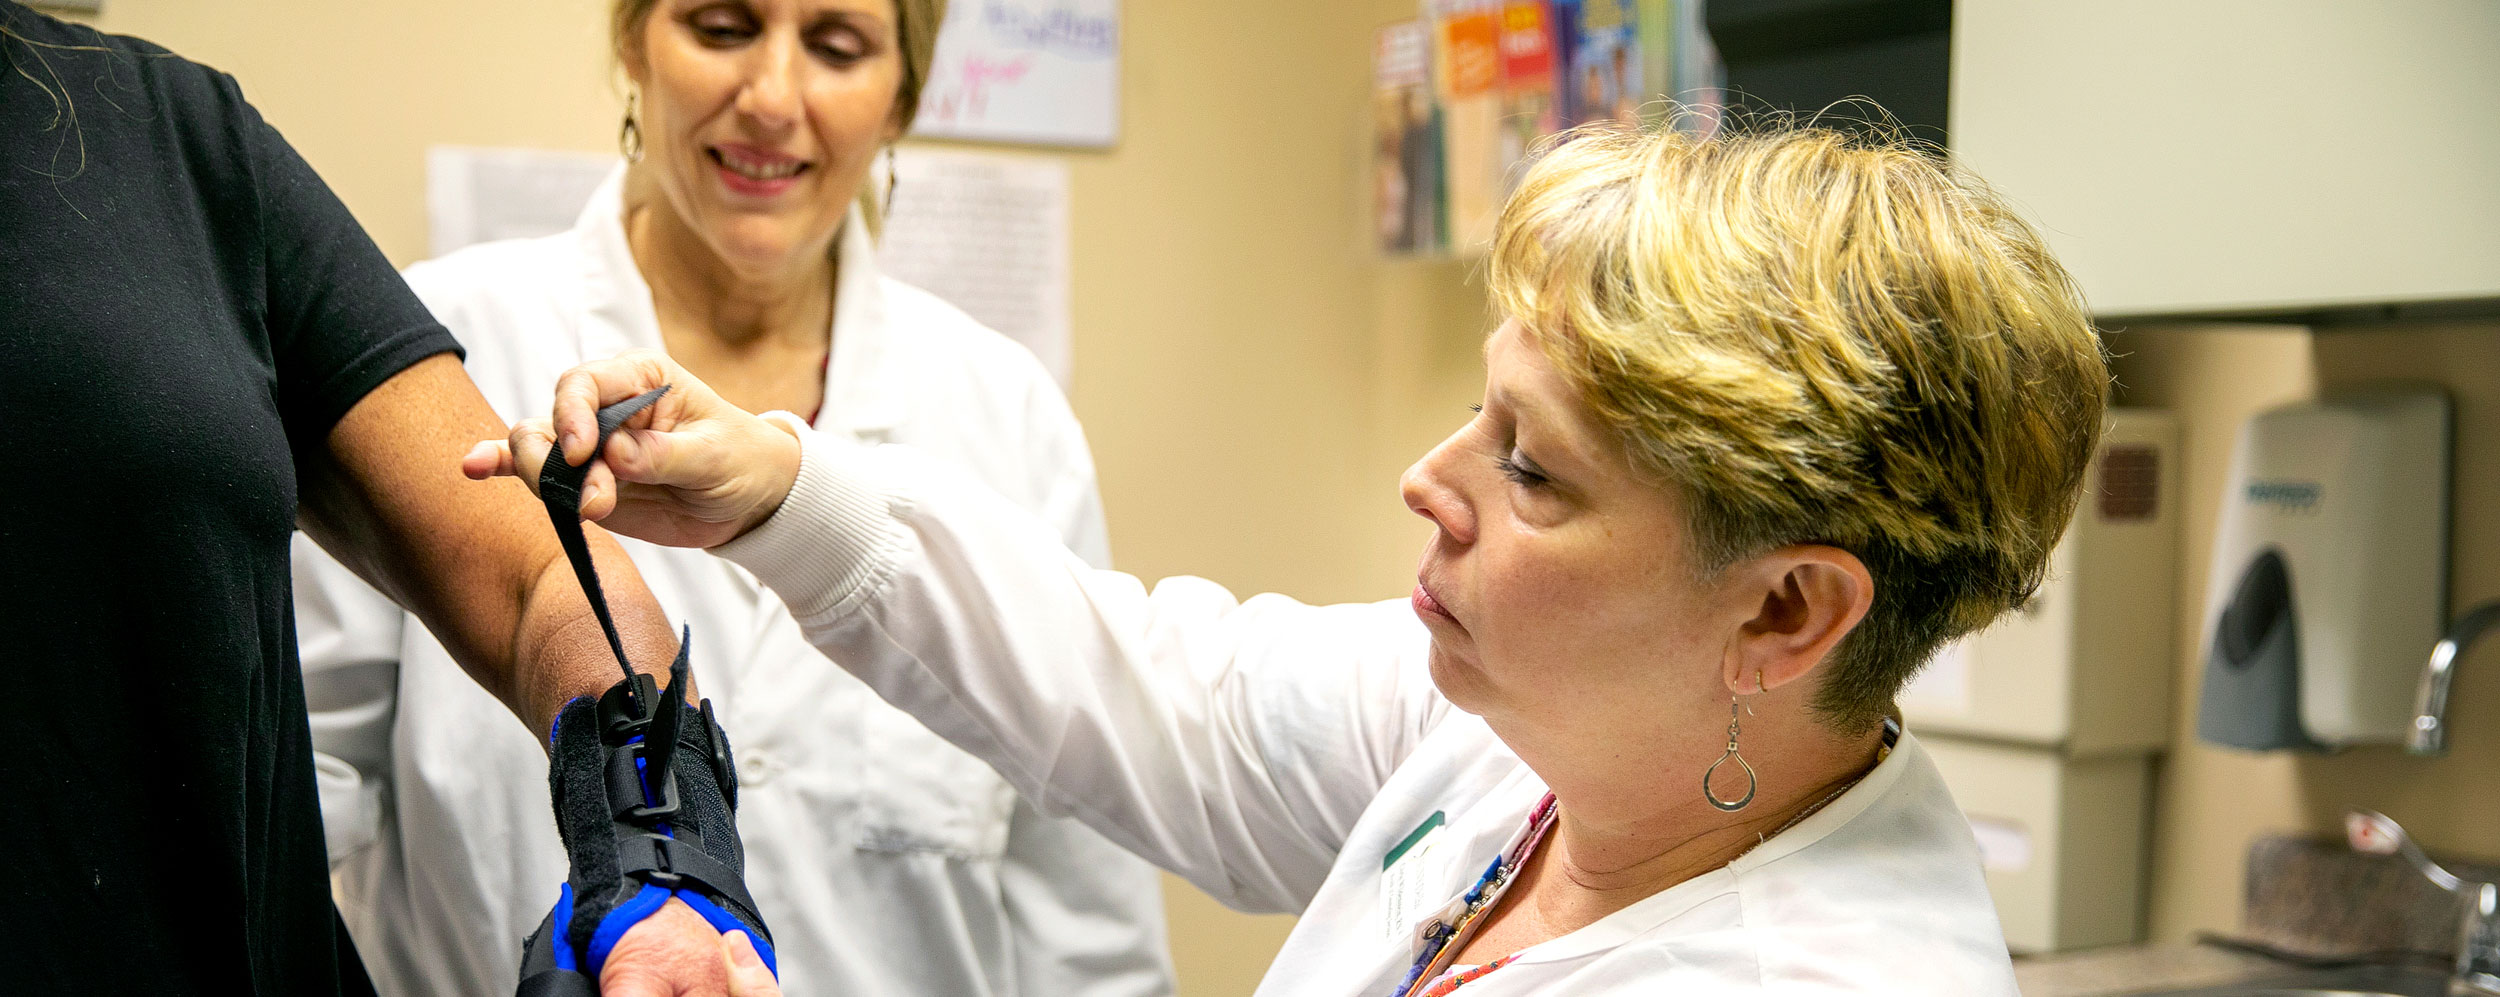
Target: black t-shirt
{"x": 185, "y": 312}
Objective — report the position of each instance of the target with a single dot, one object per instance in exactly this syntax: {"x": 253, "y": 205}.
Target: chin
{"x": 1460, "y": 681}
{"x": 756, "y": 247}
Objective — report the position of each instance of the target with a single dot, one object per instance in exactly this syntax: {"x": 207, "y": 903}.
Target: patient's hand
{"x": 672, "y": 953}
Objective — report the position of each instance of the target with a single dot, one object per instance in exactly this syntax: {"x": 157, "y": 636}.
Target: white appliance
{"x": 2329, "y": 573}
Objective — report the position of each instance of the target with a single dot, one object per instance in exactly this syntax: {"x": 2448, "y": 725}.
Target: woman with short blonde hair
{"x": 739, "y": 240}
{"x": 1771, "y": 416}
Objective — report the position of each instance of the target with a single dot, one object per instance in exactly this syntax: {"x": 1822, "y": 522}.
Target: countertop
{"x": 2132, "y": 968}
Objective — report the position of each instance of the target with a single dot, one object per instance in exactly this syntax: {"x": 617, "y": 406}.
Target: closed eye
{"x": 722, "y": 25}
{"x": 840, "y": 44}
{"x": 1519, "y": 469}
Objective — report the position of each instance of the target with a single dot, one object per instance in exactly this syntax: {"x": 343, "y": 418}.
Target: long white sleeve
{"x": 348, "y": 634}
{"x": 1084, "y": 917}
{"x": 1234, "y": 743}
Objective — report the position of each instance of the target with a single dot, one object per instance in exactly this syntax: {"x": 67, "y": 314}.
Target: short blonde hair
{"x": 1818, "y": 337}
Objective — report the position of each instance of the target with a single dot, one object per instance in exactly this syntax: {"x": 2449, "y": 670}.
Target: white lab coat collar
{"x": 618, "y": 314}
{"x": 1649, "y": 913}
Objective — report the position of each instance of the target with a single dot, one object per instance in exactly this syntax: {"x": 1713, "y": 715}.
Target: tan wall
{"x": 2212, "y": 802}
{"x": 1252, "y": 377}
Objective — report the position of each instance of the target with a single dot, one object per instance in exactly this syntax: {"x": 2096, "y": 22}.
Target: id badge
{"x": 1406, "y": 886}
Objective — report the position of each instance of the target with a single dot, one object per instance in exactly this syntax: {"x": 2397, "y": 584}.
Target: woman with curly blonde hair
{"x": 1771, "y": 417}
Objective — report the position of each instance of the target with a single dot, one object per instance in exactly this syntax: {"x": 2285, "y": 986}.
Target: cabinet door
{"x": 2190, "y": 156}
{"x": 2086, "y": 666}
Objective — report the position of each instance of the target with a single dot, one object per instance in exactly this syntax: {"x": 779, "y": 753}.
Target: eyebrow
{"x": 1557, "y": 432}
{"x": 1514, "y": 402}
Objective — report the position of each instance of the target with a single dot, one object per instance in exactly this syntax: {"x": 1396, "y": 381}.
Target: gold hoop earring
{"x": 1751, "y": 783}
{"x": 629, "y": 135}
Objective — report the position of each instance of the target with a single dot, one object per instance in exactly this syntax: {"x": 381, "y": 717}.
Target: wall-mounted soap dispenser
{"x": 2329, "y": 573}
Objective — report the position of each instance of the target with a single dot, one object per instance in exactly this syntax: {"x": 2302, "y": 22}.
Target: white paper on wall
{"x": 2004, "y": 845}
{"x": 1039, "y": 71}
{"x": 1944, "y": 685}
{"x": 477, "y": 195}
{"x": 989, "y": 234}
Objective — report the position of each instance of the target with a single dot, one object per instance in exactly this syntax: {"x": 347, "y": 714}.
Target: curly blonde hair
{"x": 1820, "y": 337}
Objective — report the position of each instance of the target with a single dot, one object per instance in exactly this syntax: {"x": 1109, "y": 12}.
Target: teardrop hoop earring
{"x": 1751, "y": 783}
{"x": 629, "y": 134}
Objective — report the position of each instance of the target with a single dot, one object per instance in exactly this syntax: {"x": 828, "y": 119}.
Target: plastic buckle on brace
{"x": 724, "y": 771}
{"x": 653, "y": 859}
{"x": 638, "y": 721}
{"x": 624, "y": 711}
{"x": 628, "y": 773}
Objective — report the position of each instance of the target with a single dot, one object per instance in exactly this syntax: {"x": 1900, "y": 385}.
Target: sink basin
{"x": 2356, "y": 981}
{"x": 2292, "y": 992}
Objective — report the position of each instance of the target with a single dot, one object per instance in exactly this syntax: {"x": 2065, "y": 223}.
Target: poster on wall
{"x": 477, "y": 195}
{"x": 1041, "y": 72}
{"x": 987, "y": 233}
{"x": 1406, "y": 141}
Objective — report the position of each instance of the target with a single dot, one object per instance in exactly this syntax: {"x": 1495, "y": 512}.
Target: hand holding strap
{"x": 644, "y": 788}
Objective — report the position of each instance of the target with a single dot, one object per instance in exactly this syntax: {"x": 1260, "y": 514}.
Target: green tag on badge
{"x": 1413, "y": 838}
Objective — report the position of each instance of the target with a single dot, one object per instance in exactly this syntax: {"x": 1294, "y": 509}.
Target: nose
{"x": 771, "y": 94}
{"x": 1429, "y": 490}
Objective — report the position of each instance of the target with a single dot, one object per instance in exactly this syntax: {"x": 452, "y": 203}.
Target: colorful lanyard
{"x": 1447, "y": 935}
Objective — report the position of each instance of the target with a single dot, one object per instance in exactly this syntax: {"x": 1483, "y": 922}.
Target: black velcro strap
{"x": 619, "y": 790}
{"x": 560, "y": 487}
{"x": 674, "y": 862}
{"x": 564, "y": 984}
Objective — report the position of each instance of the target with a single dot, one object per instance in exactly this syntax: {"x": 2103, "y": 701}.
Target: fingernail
{"x": 590, "y": 493}
{"x": 564, "y": 445}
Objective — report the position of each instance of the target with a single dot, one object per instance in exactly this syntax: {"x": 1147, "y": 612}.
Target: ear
{"x": 893, "y": 124}
{"x": 633, "y": 52}
{"x": 1810, "y": 596}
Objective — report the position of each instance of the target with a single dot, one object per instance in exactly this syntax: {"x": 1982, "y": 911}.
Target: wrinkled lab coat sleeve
{"x": 1232, "y": 742}
{"x": 1076, "y": 913}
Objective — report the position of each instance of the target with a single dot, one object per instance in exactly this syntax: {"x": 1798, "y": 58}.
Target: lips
{"x": 756, "y": 172}
{"x": 1428, "y": 607}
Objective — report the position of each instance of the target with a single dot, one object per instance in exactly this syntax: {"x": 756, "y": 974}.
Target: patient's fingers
{"x": 748, "y": 976}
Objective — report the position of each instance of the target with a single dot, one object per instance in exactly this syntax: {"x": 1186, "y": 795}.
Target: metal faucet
{"x": 2478, "y": 904}
{"x": 2430, "y": 702}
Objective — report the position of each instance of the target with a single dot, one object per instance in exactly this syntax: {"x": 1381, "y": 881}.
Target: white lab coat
{"x": 887, "y": 861}
{"x": 1275, "y": 754}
